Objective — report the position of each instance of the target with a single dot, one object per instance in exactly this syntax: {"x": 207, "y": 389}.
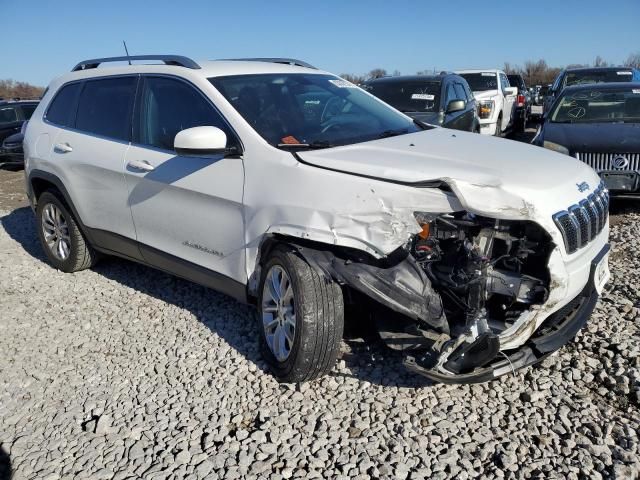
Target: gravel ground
{"x": 124, "y": 372}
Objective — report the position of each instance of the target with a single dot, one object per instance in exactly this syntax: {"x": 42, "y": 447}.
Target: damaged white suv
{"x": 294, "y": 190}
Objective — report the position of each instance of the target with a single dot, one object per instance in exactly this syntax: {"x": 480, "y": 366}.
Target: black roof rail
{"x": 285, "y": 61}
{"x": 176, "y": 60}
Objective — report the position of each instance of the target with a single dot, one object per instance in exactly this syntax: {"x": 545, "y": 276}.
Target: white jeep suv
{"x": 293, "y": 190}
{"x": 496, "y": 98}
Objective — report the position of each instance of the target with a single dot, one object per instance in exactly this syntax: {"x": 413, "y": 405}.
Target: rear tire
{"x": 61, "y": 239}
{"x": 300, "y": 316}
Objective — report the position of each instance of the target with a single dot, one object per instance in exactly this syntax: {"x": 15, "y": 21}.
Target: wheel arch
{"x": 40, "y": 181}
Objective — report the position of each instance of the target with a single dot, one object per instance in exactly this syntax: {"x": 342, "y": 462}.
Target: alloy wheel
{"x": 278, "y": 312}
{"x": 56, "y": 232}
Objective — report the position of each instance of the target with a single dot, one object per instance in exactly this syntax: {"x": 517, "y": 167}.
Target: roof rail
{"x": 176, "y": 60}
{"x": 285, "y": 61}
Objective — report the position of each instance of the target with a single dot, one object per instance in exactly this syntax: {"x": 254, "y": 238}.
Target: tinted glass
{"x": 480, "y": 82}
{"x": 310, "y": 110}
{"x": 516, "y": 81}
{"x": 27, "y": 111}
{"x": 410, "y": 96}
{"x": 168, "y": 106}
{"x": 62, "y": 109}
{"x": 8, "y": 115}
{"x": 595, "y": 76}
{"x": 599, "y": 106}
{"x": 105, "y": 107}
{"x": 460, "y": 93}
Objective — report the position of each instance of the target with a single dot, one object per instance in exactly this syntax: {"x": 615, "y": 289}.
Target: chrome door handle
{"x": 62, "y": 148}
{"x": 141, "y": 165}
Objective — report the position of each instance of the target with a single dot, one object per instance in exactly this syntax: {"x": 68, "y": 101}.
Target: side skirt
{"x": 113, "y": 244}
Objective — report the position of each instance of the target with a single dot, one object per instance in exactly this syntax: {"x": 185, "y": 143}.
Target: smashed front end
{"x": 454, "y": 295}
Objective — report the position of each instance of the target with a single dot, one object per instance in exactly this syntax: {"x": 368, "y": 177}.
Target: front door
{"x": 187, "y": 211}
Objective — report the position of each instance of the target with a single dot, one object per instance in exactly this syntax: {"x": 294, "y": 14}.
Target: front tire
{"x": 61, "y": 239}
{"x": 301, "y": 318}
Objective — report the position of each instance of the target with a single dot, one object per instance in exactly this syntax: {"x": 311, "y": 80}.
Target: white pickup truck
{"x": 495, "y": 97}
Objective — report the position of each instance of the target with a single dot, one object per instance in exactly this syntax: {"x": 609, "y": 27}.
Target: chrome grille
{"x": 580, "y": 224}
{"x": 606, "y": 161}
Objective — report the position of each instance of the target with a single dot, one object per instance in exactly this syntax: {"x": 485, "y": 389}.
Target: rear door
{"x": 187, "y": 211}
{"x": 88, "y": 155}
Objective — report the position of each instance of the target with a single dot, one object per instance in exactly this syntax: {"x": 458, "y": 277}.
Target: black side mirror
{"x": 456, "y": 106}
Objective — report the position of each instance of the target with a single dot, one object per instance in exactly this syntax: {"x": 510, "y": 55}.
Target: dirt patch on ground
{"x": 12, "y": 193}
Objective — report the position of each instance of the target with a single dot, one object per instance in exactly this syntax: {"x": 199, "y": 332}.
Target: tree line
{"x": 534, "y": 72}
{"x": 10, "y": 89}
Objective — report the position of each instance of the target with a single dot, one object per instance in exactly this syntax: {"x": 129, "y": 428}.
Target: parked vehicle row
{"x": 443, "y": 99}
{"x": 307, "y": 195}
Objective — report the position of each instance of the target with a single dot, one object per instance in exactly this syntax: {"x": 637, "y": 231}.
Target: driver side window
{"x": 450, "y": 96}
{"x": 168, "y": 106}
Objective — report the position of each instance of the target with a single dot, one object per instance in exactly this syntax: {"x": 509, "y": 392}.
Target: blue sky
{"x": 47, "y": 38}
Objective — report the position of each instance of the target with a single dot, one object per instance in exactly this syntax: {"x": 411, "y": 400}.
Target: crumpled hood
{"x": 490, "y": 176}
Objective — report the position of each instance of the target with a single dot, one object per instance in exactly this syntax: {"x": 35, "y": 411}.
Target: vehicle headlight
{"x": 556, "y": 147}
{"x": 424, "y": 220}
{"x": 485, "y": 108}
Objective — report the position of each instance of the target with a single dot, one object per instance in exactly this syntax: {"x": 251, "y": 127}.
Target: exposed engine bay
{"x": 450, "y": 291}
{"x": 487, "y": 272}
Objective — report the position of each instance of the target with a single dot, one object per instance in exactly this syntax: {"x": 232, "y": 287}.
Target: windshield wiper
{"x": 317, "y": 144}
{"x": 393, "y": 133}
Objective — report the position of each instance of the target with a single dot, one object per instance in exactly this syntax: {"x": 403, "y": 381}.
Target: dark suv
{"x": 523, "y": 101}
{"x": 444, "y": 99}
{"x": 585, "y": 75}
{"x": 13, "y": 113}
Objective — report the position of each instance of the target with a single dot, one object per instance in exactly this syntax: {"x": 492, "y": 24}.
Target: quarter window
{"x": 62, "y": 110}
{"x": 168, "y": 106}
{"x": 105, "y": 107}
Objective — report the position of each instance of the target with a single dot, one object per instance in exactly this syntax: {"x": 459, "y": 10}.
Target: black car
{"x": 599, "y": 124}
{"x": 11, "y": 153}
{"x": 13, "y": 114}
{"x": 444, "y": 99}
{"x": 523, "y": 102}
{"x": 587, "y": 75}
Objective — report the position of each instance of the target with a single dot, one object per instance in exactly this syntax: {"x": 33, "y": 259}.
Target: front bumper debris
{"x": 556, "y": 331}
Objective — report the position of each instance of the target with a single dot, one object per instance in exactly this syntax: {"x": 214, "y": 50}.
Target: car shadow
{"x": 365, "y": 357}
{"x": 5, "y": 465}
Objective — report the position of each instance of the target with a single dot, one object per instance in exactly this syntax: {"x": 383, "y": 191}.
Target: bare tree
{"x": 377, "y": 73}
{"x": 511, "y": 69}
{"x": 600, "y": 62}
{"x": 12, "y": 89}
{"x": 355, "y": 79}
{"x": 396, "y": 73}
{"x": 633, "y": 60}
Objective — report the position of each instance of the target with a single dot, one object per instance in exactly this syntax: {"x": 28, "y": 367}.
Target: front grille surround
{"x": 581, "y": 223}
{"x": 604, "y": 161}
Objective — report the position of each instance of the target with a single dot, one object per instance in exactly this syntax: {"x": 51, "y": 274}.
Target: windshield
{"x": 594, "y": 76}
{"x": 598, "y": 105}
{"x": 310, "y": 110}
{"x": 480, "y": 82}
{"x": 410, "y": 96}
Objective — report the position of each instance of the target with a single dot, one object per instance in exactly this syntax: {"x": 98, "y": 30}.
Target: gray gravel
{"x": 124, "y": 372}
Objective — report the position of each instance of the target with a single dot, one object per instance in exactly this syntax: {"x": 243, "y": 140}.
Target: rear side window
{"x": 105, "y": 107}
{"x": 62, "y": 110}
